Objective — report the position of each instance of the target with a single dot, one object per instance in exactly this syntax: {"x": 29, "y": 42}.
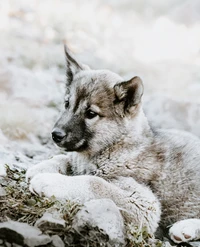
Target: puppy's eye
{"x": 90, "y": 114}
{"x": 66, "y": 104}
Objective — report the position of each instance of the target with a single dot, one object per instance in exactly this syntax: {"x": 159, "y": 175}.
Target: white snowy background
{"x": 156, "y": 40}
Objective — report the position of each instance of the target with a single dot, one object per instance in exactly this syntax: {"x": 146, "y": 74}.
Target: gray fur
{"x": 167, "y": 162}
{"x": 123, "y": 157}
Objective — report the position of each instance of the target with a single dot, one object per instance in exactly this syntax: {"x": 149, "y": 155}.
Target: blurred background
{"x": 156, "y": 40}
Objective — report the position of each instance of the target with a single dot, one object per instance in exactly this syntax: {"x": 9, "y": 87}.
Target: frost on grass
{"x": 20, "y": 205}
{"x": 139, "y": 237}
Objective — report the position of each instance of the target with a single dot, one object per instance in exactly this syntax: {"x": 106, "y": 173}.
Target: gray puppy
{"x": 117, "y": 155}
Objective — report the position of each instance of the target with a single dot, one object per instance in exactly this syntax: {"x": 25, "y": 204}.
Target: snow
{"x": 158, "y": 41}
{"x": 104, "y": 214}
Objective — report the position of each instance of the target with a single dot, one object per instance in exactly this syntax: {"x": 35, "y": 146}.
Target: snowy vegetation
{"x": 158, "y": 41}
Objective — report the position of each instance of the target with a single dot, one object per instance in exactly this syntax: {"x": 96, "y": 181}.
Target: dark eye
{"x": 66, "y": 104}
{"x": 90, "y": 114}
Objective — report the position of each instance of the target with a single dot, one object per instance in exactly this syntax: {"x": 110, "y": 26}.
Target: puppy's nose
{"x": 57, "y": 135}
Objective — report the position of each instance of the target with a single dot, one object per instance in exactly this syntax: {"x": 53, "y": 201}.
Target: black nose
{"x": 57, "y": 136}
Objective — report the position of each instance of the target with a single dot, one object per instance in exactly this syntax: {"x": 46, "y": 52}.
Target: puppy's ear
{"x": 129, "y": 92}
{"x": 73, "y": 66}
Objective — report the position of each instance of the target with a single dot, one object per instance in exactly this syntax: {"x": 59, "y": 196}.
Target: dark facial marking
{"x": 76, "y": 130}
{"x": 103, "y": 97}
{"x": 81, "y": 93}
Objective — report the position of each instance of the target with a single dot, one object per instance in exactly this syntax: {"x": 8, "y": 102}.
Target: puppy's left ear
{"x": 129, "y": 92}
{"x": 73, "y": 66}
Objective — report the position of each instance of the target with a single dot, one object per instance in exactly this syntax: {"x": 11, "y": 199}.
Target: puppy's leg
{"x": 57, "y": 164}
{"x": 140, "y": 207}
{"x": 137, "y": 202}
{"x": 185, "y": 230}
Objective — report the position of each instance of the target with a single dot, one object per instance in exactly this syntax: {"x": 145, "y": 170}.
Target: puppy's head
{"x": 97, "y": 104}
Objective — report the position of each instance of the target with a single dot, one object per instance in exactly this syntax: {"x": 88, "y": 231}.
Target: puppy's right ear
{"x": 73, "y": 66}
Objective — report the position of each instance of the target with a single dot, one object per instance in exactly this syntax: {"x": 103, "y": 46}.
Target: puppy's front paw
{"x": 49, "y": 184}
{"x": 34, "y": 170}
{"x": 62, "y": 187}
{"x": 185, "y": 230}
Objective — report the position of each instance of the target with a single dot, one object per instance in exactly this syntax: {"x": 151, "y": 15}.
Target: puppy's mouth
{"x": 71, "y": 146}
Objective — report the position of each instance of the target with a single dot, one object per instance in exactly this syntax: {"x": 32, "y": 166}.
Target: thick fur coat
{"x": 151, "y": 175}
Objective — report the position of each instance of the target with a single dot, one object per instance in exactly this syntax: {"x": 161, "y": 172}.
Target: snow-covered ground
{"x": 157, "y": 40}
